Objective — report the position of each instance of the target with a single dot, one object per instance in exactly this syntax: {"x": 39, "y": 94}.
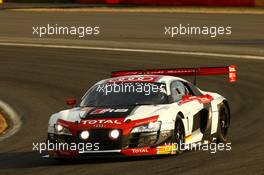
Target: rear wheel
{"x": 178, "y": 135}
{"x": 223, "y": 123}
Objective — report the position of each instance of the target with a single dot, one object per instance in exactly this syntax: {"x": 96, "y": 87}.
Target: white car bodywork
{"x": 167, "y": 113}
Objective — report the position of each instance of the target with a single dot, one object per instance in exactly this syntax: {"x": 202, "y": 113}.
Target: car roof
{"x": 141, "y": 78}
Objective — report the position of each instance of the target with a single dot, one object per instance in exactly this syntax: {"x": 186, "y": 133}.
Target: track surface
{"x": 36, "y": 82}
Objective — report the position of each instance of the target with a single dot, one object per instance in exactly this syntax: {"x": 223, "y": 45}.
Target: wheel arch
{"x": 183, "y": 119}
{"x": 180, "y": 114}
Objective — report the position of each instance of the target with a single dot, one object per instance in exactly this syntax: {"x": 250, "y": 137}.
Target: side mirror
{"x": 71, "y": 102}
{"x": 186, "y": 97}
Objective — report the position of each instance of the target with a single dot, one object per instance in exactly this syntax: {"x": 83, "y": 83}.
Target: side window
{"x": 178, "y": 90}
{"x": 192, "y": 89}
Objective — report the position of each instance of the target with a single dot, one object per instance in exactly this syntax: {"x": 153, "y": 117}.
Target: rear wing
{"x": 202, "y": 71}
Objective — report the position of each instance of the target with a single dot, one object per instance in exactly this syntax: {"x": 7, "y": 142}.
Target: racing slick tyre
{"x": 178, "y": 135}
{"x": 223, "y": 123}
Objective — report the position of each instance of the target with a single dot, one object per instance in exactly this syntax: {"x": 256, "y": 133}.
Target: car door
{"x": 202, "y": 120}
{"x": 187, "y": 103}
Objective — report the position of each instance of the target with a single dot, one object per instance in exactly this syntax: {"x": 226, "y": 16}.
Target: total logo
{"x": 102, "y": 121}
{"x": 140, "y": 151}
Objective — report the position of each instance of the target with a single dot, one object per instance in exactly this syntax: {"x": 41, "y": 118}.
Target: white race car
{"x": 147, "y": 112}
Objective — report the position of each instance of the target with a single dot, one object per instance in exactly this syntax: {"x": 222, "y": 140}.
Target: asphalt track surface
{"x": 36, "y": 81}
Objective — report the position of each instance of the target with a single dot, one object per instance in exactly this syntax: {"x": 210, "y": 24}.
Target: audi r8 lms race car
{"x": 148, "y": 112}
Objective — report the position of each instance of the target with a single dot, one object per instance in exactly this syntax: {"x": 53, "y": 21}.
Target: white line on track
{"x": 158, "y": 51}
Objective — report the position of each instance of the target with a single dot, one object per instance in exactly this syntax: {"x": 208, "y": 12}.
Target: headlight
{"x": 84, "y": 135}
{"x": 59, "y": 129}
{"x": 150, "y": 127}
{"x": 114, "y": 134}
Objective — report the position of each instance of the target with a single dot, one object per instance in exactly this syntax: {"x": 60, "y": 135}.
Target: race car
{"x": 142, "y": 112}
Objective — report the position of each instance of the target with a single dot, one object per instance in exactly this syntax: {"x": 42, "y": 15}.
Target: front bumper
{"x": 153, "y": 143}
{"x": 144, "y": 151}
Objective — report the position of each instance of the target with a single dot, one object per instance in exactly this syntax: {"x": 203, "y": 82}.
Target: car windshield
{"x": 125, "y": 94}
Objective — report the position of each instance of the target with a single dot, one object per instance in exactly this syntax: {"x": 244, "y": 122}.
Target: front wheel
{"x": 179, "y": 135}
